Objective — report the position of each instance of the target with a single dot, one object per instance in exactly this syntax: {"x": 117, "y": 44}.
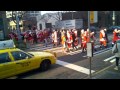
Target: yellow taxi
{"x": 14, "y": 61}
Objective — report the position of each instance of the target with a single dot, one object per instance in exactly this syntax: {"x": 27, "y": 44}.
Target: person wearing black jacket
{"x": 35, "y": 37}
{"x": 73, "y": 37}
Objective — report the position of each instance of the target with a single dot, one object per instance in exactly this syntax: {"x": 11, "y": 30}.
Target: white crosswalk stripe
{"x": 42, "y": 48}
{"x": 74, "y": 67}
{"x": 110, "y": 59}
{"x": 75, "y": 52}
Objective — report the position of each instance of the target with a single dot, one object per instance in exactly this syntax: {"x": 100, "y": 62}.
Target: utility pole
{"x": 18, "y": 29}
{"x": 113, "y": 18}
{"x": 88, "y": 19}
{"x": 72, "y": 14}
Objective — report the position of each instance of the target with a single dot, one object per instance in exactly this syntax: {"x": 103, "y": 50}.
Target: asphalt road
{"x": 74, "y": 65}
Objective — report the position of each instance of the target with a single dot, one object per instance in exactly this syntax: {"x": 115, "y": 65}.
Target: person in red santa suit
{"x": 93, "y": 39}
{"x": 69, "y": 40}
{"x": 55, "y": 38}
{"x": 82, "y": 37}
{"x": 30, "y": 38}
{"x": 103, "y": 41}
{"x": 84, "y": 41}
{"x": 116, "y": 32}
{"x": 76, "y": 38}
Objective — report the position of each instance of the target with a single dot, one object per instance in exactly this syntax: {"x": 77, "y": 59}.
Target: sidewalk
{"x": 107, "y": 73}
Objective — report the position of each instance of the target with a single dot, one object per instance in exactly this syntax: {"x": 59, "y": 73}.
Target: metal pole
{"x": 88, "y": 19}
{"x": 89, "y": 23}
{"x": 113, "y": 18}
{"x": 90, "y": 68}
{"x": 72, "y": 14}
{"x": 17, "y": 20}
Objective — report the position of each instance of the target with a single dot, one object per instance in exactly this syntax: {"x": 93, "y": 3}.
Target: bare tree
{"x": 57, "y": 16}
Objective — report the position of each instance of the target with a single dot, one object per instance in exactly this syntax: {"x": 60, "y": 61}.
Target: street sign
{"x": 93, "y": 16}
{"x": 69, "y": 24}
{"x": 89, "y": 50}
{"x": 90, "y": 55}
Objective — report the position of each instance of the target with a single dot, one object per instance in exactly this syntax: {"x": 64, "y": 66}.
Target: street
{"x": 74, "y": 65}
{"x": 38, "y": 39}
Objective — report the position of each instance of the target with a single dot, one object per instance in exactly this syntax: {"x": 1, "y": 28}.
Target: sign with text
{"x": 70, "y": 24}
{"x": 93, "y": 16}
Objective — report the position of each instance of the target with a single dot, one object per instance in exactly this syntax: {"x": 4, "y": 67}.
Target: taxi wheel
{"x": 45, "y": 65}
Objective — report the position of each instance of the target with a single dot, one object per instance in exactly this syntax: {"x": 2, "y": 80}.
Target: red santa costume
{"x": 102, "y": 38}
{"x": 69, "y": 40}
{"x": 115, "y": 36}
{"x": 76, "y": 40}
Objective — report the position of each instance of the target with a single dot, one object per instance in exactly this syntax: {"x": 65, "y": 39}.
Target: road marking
{"x": 74, "y": 67}
{"x": 75, "y": 52}
{"x": 112, "y": 60}
{"x": 103, "y": 50}
{"x": 41, "y": 48}
{"x": 100, "y": 52}
{"x": 97, "y": 46}
{"x": 109, "y": 58}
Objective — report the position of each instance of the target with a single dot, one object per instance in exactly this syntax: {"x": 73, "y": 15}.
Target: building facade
{"x": 105, "y": 18}
{"x": 48, "y": 20}
{"x": 30, "y": 19}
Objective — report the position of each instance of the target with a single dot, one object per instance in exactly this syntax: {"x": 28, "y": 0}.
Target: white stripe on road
{"x": 74, "y": 67}
{"x": 75, "y": 52}
{"x": 40, "y": 48}
{"x": 109, "y": 58}
{"x": 112, "y": 60}
{"x": 97, "y": 46}
{"x": 100, "y": 52}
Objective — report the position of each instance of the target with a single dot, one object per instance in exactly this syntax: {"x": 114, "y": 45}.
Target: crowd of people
{"x": 68, "y": 38}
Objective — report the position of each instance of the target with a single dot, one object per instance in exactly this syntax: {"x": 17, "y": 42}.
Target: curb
{"x": 98, "y": 72}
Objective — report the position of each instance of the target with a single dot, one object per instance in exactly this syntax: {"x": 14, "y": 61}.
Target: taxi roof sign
{"x": 7, "y": 44}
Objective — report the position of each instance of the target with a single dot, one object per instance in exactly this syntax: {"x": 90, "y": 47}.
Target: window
{"x": 4, "y": 57}
{"x": 18, "y": 55}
